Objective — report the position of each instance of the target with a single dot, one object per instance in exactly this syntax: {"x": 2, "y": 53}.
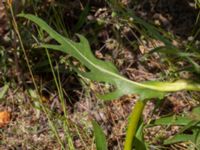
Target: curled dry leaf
{"x": 4, "y": 118}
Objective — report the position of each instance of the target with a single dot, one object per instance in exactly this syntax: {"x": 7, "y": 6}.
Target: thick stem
{"x": 133, "y": 124}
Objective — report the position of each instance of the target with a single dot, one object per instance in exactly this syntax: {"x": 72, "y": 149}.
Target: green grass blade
{"x": 82, "y": 17}
{"x": 139, "y": 142}
{"x": 172, "y": 120}
{"x": 3, "y": 90}
{"x": 100, "y": 138}
{"x": 179, "y": 138}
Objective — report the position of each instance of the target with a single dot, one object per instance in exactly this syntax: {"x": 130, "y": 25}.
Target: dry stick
{"x": 133, "y": 124}
{"x": 31, "y": 73}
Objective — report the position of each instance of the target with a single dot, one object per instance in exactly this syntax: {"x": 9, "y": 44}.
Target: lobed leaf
{"x": 103, "y": 71}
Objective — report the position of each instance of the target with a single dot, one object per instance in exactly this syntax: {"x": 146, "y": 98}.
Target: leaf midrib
{"x": 111, "y": 73}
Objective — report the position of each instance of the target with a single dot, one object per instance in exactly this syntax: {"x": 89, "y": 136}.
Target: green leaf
{"x": 189, "y": 123}
{"x": 152, "y": 31}
{"x": 192, "y": 119}
{"x": 171, "y": 52}
{"x": 172, "y": 120}
{"x": 3, "y": 90}
{"x": 179, "y": 138}
{"x": 194, "y": 137}
{"x": 195, "y": 113}
{"x": 82, "y": 17}
{"x": 139, "y": 142}
{"x": 100, "y": 138}
{"x": 103, "y": 71}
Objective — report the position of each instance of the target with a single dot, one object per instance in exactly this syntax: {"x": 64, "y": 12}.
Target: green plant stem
{"x": 133, "y": 124}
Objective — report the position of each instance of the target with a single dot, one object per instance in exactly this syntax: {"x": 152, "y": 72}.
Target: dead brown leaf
{"x": 4, "y": 118}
